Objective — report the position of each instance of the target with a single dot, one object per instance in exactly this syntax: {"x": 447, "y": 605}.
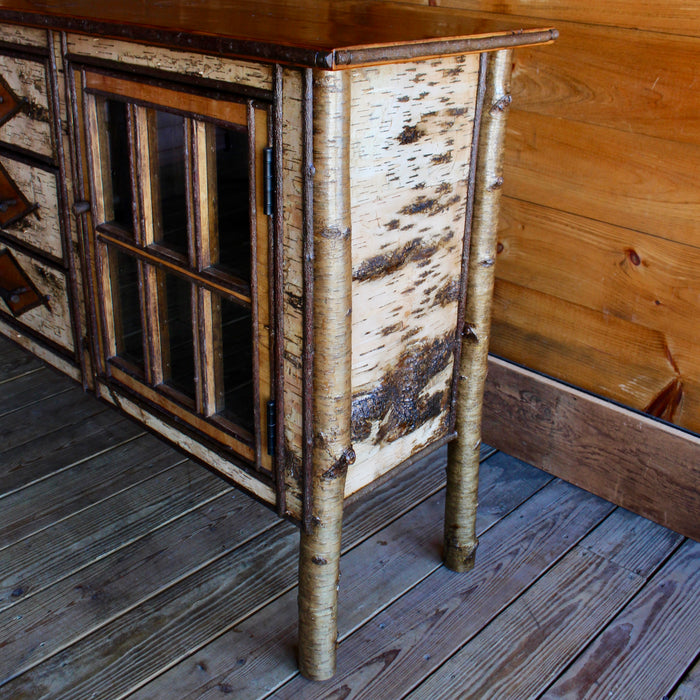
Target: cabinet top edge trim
{"x": 306, "y": 33}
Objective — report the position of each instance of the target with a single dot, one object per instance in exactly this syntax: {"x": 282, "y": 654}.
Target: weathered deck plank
{"x": 84, "y": 434}
{"x": 374, "y": 573}
{"x": 86, "y": 484}
{"x": 409, "y": 639}
{"x": 527, "y": 646}
{"x": 47, "y": 418}
{"x": 72, "y": 543}
{"x": 629, "y": 655}
{"x": 15, "y": 362}
{"x": 190, "y": 612}
{"x": 35, "y": 629}
{"x": 31, "y": 387}
{"x": 689, "y": 689}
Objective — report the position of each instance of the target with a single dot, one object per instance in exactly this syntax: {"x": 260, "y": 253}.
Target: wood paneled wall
{"x": 599, "y": 257}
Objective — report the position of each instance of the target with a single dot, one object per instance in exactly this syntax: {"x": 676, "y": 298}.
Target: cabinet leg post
{"x": 319, "y": 573}
{"x": 463, "y": 455}
{"x": 327, "y": 449}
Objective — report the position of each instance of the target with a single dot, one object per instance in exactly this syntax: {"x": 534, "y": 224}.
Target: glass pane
{"x": 116, "y": 128}
{"x": 170, "y": 181}
{"x": 127, "y": 308}
{"x": 232, "y": 201}
{"x": 236, "y": 355}
{"x": 176, "y": 334}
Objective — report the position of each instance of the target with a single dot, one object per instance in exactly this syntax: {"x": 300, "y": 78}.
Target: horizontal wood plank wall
{"x": 598, "y": 273}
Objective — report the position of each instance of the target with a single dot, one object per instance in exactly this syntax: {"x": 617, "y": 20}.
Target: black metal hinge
{"x": 268, "y": 161}
{"x": 271, "y": 428}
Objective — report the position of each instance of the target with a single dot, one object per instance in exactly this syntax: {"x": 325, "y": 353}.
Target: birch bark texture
{"x": 319, "y": 555}
{"x": 463, "y": 453}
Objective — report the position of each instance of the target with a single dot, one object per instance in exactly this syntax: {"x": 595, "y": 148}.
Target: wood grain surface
{"x": 633, "y": 460}
{"x": 673, "y": 17}
{"x": 667, "y": 604}
{"x": 543, "y": 620}
{"x": 261, "y": 661}
{"x": 305, "y": 32}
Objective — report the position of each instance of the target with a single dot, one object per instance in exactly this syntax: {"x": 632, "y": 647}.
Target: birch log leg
{"x": 319, "y": 556}
{"x": 463, "y": 453}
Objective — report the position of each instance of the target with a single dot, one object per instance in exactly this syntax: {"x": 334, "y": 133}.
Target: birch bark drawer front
{"x": 23, "y": 36}
{"x": 35, "y": 298}
{"x": 35, "y": 224}
{"x": 30, "y": 127}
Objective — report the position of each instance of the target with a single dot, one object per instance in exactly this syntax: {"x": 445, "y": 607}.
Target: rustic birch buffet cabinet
{"x": 266, "y": 231}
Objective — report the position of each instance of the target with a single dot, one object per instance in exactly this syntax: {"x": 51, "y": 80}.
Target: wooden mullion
{"x": 208, "y": 336}
{"x": 94, "y": 173}
{"x": 143, "y": 147}
{"x": 107, "y": 278}
{"x": 254, "y": 187}
{"x": 154, "y": 258}
{"x": 189, "y": 125}
{"x": 155, "y": 335}
{"x": 206, "y": 225}
{"x": 144, "y": 132}
{"x": 208, "y": 353}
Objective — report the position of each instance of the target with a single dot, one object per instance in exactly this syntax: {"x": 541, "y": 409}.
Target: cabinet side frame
{"x": 319, "y": 552}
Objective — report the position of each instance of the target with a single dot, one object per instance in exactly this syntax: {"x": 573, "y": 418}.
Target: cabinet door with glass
{"x": 180, "y": 251}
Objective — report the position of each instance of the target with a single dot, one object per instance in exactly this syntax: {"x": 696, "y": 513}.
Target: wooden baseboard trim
{"x": 637, "y": 462}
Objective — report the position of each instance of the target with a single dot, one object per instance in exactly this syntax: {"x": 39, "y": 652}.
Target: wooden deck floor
{"x": 127, "y": 570}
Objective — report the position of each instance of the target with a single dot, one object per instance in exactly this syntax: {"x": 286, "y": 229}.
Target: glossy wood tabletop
{"x": 303, "y": 32}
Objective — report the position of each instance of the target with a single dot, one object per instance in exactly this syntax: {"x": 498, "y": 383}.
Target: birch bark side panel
{"x": 40, "y": 229}
{"x": 14, "y": 34}
{"x": 30, "y": 128}
{"x": 51, "y": 320}
{"x": 411, "y": 138}
{"x": 183, "y": 62}
{"x": 292, "y": 203}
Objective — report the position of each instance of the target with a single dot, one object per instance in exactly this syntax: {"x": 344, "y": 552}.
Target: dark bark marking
{"x": 410, "y": 134}
{"x": 442, "y": 158}
{"x": 386, "y": 263}
{"x": 390, "y": 330}
{"x": 292, "y": 359}
{"x": 293, "y": 464}
{"x": 340, "y": 467}
{"x": 431, "y": 207}
{"x": 295, "y": 301}
{"x": 36, "y": 112}
{"x": 319, "y": 561}
{"x": 398, "y": 403}
{"x": 448, "y": 294}
{"x": 502, "y": 104}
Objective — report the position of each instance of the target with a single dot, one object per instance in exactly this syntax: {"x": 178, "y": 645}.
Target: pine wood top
{"x": 302, "y": 32}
